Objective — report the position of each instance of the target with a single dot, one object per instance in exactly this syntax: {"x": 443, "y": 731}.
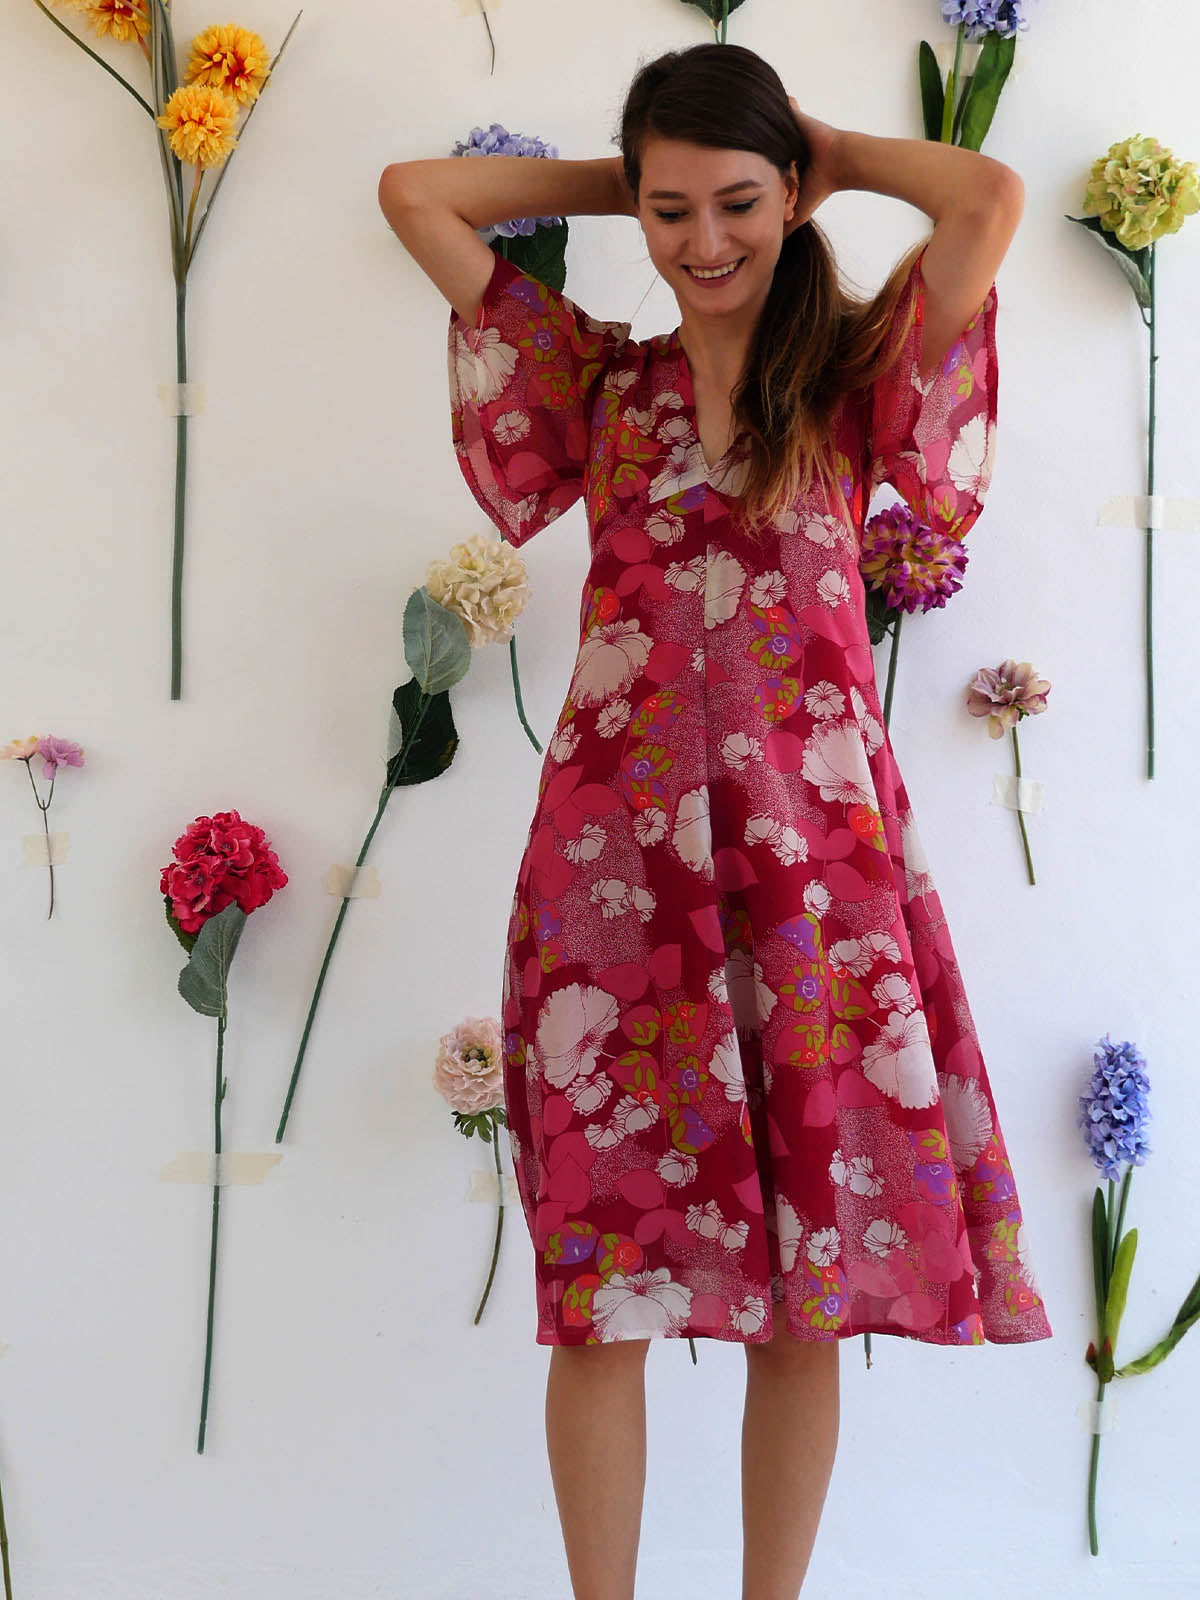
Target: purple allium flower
{"x": 1114, "y": 1112}
{"x": 497, "y": 141}
{"x": 913, "y": 566}
{"x": 982, "y": 17}
{"x": 57, "y": 753}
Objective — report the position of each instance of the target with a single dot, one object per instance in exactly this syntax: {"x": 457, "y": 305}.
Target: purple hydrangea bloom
{"x": 497, "y": 141}
{"x": 1114, "y": 1112}
{"x": 982, "y": 17}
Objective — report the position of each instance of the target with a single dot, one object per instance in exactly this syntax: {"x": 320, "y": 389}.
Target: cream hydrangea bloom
{"x": 483, "y": 581}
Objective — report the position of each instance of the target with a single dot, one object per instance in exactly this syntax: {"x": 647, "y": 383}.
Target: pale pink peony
{"x": 469, "y": 1070}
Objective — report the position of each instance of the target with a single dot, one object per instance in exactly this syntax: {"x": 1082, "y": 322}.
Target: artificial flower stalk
{"x": 469, "y": 1074}
{"x": 437, "y": 648}
{"x": 223, "y": 869}
{"x": 905, "y": 566}
{"x": 1136, "y": 194}
{"x": 717, "y": 12}
{"x": 195, "y": 123}
{"x": 8, "y": 1593}
{"x": 54, "y": 753}
{"x": 961, "y": 111}
{"x": 1004, "y": 695}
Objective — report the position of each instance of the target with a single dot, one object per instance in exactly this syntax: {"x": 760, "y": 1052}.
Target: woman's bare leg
{"x": 789, "y": 1438}
{"x": 596, "y": 1435}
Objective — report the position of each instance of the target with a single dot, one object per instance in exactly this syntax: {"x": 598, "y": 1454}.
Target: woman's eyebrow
{"x": 730, "y": 188}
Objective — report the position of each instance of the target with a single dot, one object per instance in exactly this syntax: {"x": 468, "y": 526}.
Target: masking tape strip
{"x": 483, "y": 1186}
{"x": 1098, "y": 1416}
{"x": 348, "y": 884}
{"x": 472, "y": 8}
{"x": 1018, "y": 794}
{"x": 1174, "y": 512}
{"x": 34, "y": 852}
{"x": 182, "y": 399}
{"x": 203, "y": 1166}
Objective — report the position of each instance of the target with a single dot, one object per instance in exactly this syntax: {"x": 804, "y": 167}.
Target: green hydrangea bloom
{"x": 1140, "y": 192}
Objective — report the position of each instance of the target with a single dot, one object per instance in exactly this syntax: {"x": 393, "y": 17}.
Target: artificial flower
{"x": 1005, "y": 694}
{"x": 219, "y": 860}
{"x": 482, "y": 581}
{"x": 497, "y": 141}
{"x": 54, "y": 752}
{"x": 200, "y": 121}
{"x": 981, "y": 17}
{"x": 469, "y": 1074}
{"x": 230, "y": 58}
{"x": 126, "y": 21}
{"x": 57, "y": 753}
{"x": 914, "y": 566}
{"x": 1141, "y": 192}
{"x": 1114, "y": 1112}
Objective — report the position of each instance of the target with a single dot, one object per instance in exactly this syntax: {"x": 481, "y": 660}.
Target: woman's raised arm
{"x": 435, "y": 208}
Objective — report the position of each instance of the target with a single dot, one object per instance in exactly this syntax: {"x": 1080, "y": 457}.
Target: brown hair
{"x": 814, "y": 342}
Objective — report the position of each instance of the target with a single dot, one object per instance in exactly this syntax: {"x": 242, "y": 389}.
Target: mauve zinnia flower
{"x": 230, "y": 58}
{"x": 1005, "y": 694}
{"x": 913, "y": 565}
{"x": 1114, "y": 1112}
{"x": 200, "y": 121}
{"x": 57, "y": 753}
{"x": 469, "y": 1070}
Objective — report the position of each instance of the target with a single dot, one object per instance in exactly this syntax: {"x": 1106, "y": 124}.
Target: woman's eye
{"x": 739, "y": 208}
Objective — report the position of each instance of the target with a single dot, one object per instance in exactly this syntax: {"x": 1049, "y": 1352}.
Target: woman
{"x": 744, "y": 1092}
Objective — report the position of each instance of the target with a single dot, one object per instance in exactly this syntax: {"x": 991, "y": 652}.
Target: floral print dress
{"x": 741, "y": 1077}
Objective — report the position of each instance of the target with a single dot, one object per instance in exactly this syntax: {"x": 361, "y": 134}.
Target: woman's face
{"x": 690, "y": 224}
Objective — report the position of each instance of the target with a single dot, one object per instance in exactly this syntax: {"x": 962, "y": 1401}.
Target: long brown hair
{"x": 814, "y": 341}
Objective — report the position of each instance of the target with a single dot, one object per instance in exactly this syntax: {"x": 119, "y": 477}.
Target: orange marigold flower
{"x": 230, "y": 58}
{"x": 200, "y": 121}
{"x": 126, "y": 21}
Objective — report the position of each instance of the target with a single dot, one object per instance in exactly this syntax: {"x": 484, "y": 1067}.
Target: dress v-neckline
{"x": 689, "y": 400}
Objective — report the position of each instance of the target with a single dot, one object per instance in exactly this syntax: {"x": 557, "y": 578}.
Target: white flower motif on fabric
{"x": 917, "y": 880}
{"x": 789, "y": 1229}
{"x": 836, "y": 762}
{"x": 563, "y": 743}
{"x": 1025, "y": 1258}
{"x": 833, "y": 588}
{"x": 572, "y": 1022}
{"x": 824, "y": 699}
{"x": 675, "y": 430}
{"x": 699, "y": 659}
{"x": 612, "y": 895}
{"x": 587, "y": 1095}
{"x": 823, "y": 1246}
{"x": 666, "y": 527}
{"x": 640, "y": 1305}
{"x": 768, "y": 588}
{"x": 667, "y": 397}
{"x": 511, "y": 426}
{"x": 641, "y": 900}
{"x": 858, "y": 1174}
{"x": 682, "y": 470}
{"x": 883, "y": 1236}
{"x": 894, "y": 993}
{"x": 823, "y": 529}
{"x": 637, "y": 421}
{"x": 750, "y": 1316}
{"x": 751, "y": 997}
{"x": 692, "y": 836}
{"x": 677, "y": 1168}
{"x": 631, "y": 1115}
{"x": 971, "y": 457}
{"x": 613, "y": 717}
{"x": 618, "y": 382}
{"x": 900, "y": 1061}
{"x": 739, "y": 749}
{"x": 723, "y": 585}
{"x": 586, "y": 845}
{"x": 686, "y": 576}
{"x": 726, "y": 1065}
{"x": 602, "y": 1136}
{"x": 610, "y": 657}
{"x": 708, "y": 1221}
{"x": 868, "y": 725}
{"x": 817, "y": 898}
{"x": 482, "y": 375}
{"x": 649, "y": 826}
{"x": 859, "y": 955}
{"x": 968, "y": 1120}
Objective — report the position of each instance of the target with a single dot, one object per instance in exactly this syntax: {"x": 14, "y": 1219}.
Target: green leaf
{"x": 991, "y": 71}
{"x": 933, "y": 93}
{"x": 187, "y": 940}
{"x": 434, "y": 737}
{"x": 542, "y": 253}
{"x": 1185, "y": 1318}
{"x": 1100, "y": 1258}
{"x": 1118, "y": 1289}
{"x": 961, "y": 108}
{"x": 881, "y": 618}
{"x": 202, "y": 983}
{"x": 712, "y": 8}
{"x": 1133, "y": 263}
{"x": 436, "y": 645}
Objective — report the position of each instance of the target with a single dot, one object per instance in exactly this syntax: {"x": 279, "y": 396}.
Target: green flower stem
{"x": 491, "y": 41}
{"x": 88, "y": 51}
{"x": 1020, "y": 813}
{"x": 44, "y": 809}
{"x": 1150, "y": 534}
{"x": 692, "y": 1348}
{"x": 1115, "y": 1213}
{"x": 891, "y": 673}
{"x": 1093, "y": 1473}
{"x": 384, "y": 797}
{"x": 4, "y": 1552}
{"x": 512, "y": 656}
{"x": 867, "y": 1348}
{"x": 952, "y": 88}
{"x": 180, "y": 489}
{"x": 722, "y": 40}
{"x": 218, "y": 1097}
{"x": 499, "y": 1218}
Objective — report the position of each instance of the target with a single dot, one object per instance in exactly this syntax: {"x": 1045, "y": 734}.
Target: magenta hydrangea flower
{"x": 914, "y": 567}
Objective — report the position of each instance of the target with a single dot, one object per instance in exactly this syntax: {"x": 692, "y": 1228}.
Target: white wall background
{"x": 365, "y": 1439}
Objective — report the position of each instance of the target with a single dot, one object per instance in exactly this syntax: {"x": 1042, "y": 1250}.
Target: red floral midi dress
{"x": 741, "y": 1077}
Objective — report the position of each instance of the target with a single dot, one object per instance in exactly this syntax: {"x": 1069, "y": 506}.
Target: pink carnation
{"x": 469, "y": 1070}
{"x": 218, "y": 860}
